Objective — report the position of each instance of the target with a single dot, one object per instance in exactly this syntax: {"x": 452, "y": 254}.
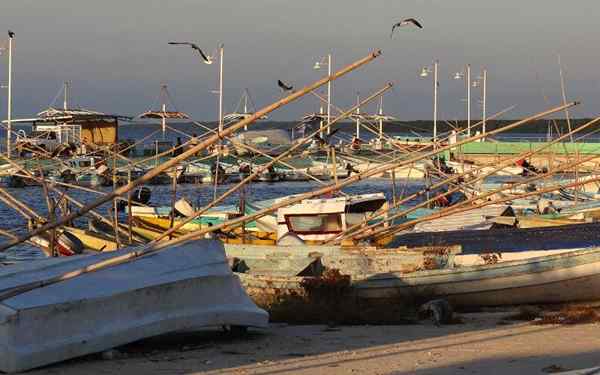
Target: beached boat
{"x": 93, "y": 240}
{"x": 184, "y": 287}
{"x": 558, "y": 276}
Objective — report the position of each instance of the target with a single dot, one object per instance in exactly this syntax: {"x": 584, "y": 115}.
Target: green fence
{"x": 504, "y": 148}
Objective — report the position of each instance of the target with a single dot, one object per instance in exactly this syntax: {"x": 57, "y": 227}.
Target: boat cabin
{"x": 323, "y": 219}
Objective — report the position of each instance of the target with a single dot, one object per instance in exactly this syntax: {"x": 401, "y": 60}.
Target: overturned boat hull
{"x": 180, "y": 288}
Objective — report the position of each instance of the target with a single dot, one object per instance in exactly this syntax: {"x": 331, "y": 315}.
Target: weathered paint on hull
{"x": 572, "y": 276}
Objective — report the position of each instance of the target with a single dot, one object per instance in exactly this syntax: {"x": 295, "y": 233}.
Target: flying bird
{"x": 11, "y": 34}
{"x": 207, "y": 59}
{"x": 283, "y": 86}
{"x": 406, "y": 22}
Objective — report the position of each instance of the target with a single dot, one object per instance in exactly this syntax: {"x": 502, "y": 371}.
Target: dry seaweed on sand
{"x": 570, "y": 315}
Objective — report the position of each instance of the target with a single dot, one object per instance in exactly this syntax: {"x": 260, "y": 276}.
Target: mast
{"x": 164, "y": 97}
{"x": 484, "y": 115}
{"x": 358, "y": 115}
{"x": 246, "y": 107}
{"x": 66, "y": 96}
{"x": 329, "y": 93}
{"x": 9, "y": 104}
{"x": 220, "y": 88}
{"x": 435, "y": 100}
{"x": 468, "y": 100}
{"x": 381, "y": 118}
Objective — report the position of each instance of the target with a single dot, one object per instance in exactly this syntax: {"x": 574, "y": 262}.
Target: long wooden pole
{"x": 348, "y": 181}
{"x": 69, "y": 198}
{"x": 193, "y": 150}
{"x": 454, "y": 209}
{"x": 149, "y": 249}
{"x": 264, "y": 167}
{"x": 364, "y": 226}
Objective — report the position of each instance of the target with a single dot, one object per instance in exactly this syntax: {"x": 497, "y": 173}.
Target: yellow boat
{"x": 152, "y": 228}
{"x": 92, "y": 240}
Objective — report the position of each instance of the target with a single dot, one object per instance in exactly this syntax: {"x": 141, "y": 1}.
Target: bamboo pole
{"x": 507, "y": 162}
{"x": 114, "y": 201}
{"x": 559, "y": 168}
{"x": 325, "y": 190}
{"x": 148, "y": 250}
{"x": 193, "y": 150}
{"x": 173, "y": 197}
{"x": 459, "y": 208}
{"x": 69, "y": 198}
{"x": 264, "y": 167}
{"x": 129, "y": 214}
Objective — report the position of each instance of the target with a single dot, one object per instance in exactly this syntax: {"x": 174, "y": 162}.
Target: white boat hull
{"x": 181, "y": 288}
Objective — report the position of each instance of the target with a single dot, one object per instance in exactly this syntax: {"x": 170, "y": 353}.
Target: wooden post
{"x": 334, "y": 165}
{"x": 394, "y": 186}
{"x": 114, "y": 202}
{"x": 129, "y": 214}
{"x": 173, "y": 198}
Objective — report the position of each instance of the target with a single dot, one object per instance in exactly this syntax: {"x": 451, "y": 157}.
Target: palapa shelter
{"x": 77, "y": 125}
{"x": 164, "y": 114}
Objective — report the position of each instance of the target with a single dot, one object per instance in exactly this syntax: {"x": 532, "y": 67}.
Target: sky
{"x": 115, "y": 53}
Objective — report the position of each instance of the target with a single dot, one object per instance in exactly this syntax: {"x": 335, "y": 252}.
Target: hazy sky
{"x": 115, "y": 52}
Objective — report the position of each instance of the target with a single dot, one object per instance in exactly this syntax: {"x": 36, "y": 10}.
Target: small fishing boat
{"x": 67, "y": 244}
{"x": 183, "y": 287}
{"x": 318, "y": 220}
{"x": 93, "y": 240}
{"x": 84, "y": 171}
{"x": 490, "y": 279}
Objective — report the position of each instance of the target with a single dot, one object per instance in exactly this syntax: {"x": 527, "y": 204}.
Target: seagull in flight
{"x": 406, "y": 22}
{"x": 207, "y": 59}
{"x": 11, "y": 34}
{"x": 284, "y": 87}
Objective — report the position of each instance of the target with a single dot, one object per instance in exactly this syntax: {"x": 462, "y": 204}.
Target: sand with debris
{"x": 484, "y": 343}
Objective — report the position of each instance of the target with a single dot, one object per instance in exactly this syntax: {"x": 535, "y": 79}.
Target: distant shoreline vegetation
{"x": 425, "y": 127}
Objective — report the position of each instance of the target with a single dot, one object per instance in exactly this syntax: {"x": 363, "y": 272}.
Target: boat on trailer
{"x": 47, "y": 317}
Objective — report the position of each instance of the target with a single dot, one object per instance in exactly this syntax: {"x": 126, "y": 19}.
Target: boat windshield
{"x": 357, "y": 218}
{"x": 315, "y": 224}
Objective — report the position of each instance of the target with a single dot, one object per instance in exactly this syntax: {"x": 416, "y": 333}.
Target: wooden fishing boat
{"x": 527, "y": 278}
{"x": 144, "y": 229}
{"x": 93, "y": 240}
{"x": 66, "y": 244}
{"x": 184, "y": 287}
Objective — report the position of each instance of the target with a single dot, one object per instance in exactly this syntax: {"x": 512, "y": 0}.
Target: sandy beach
{"x": 484, "y": 343}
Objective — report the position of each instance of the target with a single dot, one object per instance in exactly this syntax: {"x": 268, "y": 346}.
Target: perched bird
{"x": 406, "y": 22}
{"x": 283, "y": 86}
{"x": 207, "y": 59}
{"x": 11, "y": 34}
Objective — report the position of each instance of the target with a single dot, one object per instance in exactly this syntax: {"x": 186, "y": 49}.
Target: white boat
{"x": 322, "y": 219}
{"x": 180, "y": 288}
